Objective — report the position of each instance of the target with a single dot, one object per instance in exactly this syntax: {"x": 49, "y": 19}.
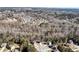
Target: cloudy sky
{"x": 40, "y": 3}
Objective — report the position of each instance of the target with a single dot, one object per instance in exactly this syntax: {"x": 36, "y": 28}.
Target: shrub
{"x": 31, "y": 48}
{"x": 26, "y": 46}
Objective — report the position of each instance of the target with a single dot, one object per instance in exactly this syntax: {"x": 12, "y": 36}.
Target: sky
{"x": 40, "y": 3}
